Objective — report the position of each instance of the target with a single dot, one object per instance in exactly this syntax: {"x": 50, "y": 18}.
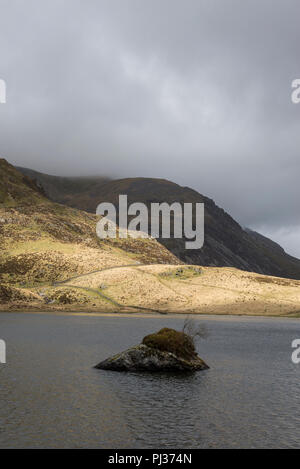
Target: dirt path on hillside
{"x": 102, "y": 295}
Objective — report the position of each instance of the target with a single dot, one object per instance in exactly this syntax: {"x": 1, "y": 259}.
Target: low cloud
{"x": 196, "y": 92}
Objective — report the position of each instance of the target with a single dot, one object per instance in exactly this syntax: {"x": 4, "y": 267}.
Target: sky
{"x": 194, "y": 91}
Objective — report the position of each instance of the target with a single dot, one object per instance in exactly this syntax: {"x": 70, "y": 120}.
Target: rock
{"x": 144, "y": 358}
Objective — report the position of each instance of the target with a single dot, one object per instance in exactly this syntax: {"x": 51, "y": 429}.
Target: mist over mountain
{"x": 63, "y": 189}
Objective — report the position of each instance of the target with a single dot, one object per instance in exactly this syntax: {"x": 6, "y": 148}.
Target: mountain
{"x": 42, "y": 242}
{"x": 52, "y": 260}
{"x": 226, "y": 242}
{"x": 29, "y": 218}
{"x": 63, "y": 189}
{"x": 16, "y": 187}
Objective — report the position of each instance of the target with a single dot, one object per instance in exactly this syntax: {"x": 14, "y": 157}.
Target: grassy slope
{"x": 42, "y": 242}
{"x": 181, "y": 289}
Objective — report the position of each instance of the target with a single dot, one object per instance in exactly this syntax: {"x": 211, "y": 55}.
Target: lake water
{"x": 52, "y": 397}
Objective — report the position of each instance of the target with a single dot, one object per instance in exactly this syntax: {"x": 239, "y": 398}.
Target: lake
{"x": 52, "y": 397}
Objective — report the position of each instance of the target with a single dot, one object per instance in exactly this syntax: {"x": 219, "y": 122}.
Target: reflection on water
{"x": 50, "y": 396}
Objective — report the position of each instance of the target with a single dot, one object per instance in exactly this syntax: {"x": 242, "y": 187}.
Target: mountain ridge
{"x": 226, "y": 244}
{"x": 52, "y": 260}
{"x": 61, "y": 189}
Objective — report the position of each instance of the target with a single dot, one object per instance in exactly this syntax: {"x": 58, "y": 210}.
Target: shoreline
{"x": 142, "y": 315}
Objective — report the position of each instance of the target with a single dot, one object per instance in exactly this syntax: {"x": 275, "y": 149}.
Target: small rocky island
{"x": 166, "y": 350}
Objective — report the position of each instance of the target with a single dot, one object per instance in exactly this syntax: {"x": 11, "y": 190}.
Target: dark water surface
{"x": 51, "y": 397}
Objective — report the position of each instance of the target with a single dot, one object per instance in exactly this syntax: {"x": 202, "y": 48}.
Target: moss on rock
{"x": 170, "y": 340}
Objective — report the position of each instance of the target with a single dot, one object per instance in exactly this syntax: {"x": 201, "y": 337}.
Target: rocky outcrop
{"x": 144, "y": 358}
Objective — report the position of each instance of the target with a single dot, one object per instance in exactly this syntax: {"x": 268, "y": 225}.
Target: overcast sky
{"x": 195, "y": 91}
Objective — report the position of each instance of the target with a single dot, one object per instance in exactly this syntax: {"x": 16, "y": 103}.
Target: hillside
{"x": 51, "y": 260}
{"x": 63, "y": 189}
{"x": 226, "y": 242}
{"x": 42, "y": 242}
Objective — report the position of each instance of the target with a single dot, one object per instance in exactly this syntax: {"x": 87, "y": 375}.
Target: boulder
{"x": 157, "y": 355}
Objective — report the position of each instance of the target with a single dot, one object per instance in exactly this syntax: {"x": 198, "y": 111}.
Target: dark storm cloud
{"x": 197, "y": 92}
